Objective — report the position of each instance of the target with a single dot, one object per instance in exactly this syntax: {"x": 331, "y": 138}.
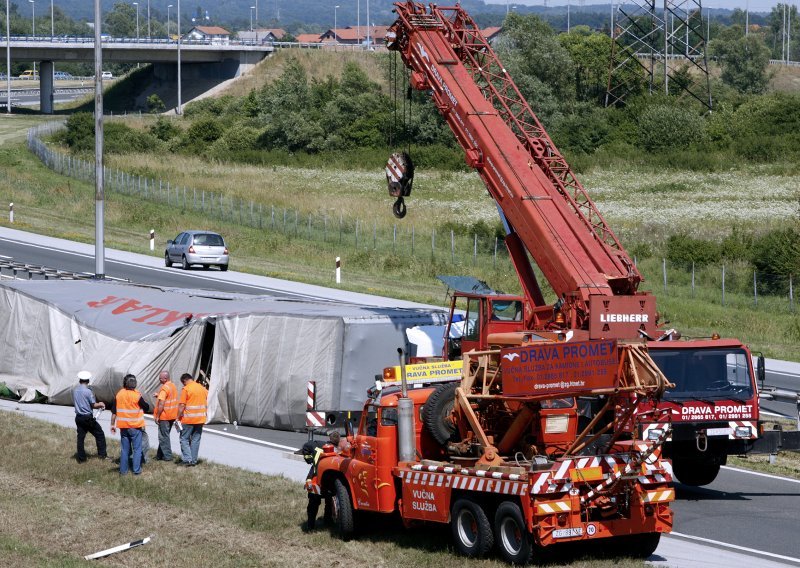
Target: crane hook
{"x": 399, "y": 178}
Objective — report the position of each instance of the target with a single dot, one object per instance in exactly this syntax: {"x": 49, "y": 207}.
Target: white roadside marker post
{"x": 11, "y": 212}
{"x": 338, "y": 270}
{"x": 152, "y": 239}
{"x": 116, "y": 549}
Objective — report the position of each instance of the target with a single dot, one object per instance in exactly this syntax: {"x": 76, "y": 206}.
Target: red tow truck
{"x": 501, "y": 455}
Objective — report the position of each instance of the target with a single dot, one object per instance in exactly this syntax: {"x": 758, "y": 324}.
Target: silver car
{"x": 197, "y": 247}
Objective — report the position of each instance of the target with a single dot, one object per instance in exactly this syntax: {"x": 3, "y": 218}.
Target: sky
{"x": 753, "y": 5}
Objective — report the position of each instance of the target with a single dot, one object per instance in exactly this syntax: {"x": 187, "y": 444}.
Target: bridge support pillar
{"x": 46, "y": 90}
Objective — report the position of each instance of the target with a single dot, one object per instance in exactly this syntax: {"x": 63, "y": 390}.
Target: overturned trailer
{"x": 259, "y": 351}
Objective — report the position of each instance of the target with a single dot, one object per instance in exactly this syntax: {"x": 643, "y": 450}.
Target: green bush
{"x": 685, "y": 250}
{"x": 164, "y": 129}
{"x": 79, "y": 134}
{"x": 737, "y": 246}
{"x": 664, "y": 126}
{"x": 778, "y": 253}
{"x": 155, "y": 104}
{"x": 119, "y": 138}
{"x": 235, "y": 140}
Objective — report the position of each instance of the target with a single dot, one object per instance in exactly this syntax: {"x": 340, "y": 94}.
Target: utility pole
{"x": 178, "y": 17}
{"x": 99, "y": 193}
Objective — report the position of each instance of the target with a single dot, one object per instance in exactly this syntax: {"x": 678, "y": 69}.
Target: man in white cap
{"x": 84, "y": 401}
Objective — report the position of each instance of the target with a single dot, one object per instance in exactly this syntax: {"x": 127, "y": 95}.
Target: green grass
{"x": 55, "y": 511}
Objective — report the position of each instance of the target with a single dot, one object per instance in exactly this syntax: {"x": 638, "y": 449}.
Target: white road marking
{"x": 737, "y": 547}
{"x": 759, "y": 474}
{"x": 254, "y": 440}
{"x": 778, "y": 414}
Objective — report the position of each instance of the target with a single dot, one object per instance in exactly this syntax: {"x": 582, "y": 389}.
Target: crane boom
{"x": 548, "y": 212}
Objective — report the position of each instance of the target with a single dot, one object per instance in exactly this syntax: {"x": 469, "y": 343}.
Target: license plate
{"x": 718, "y": 432}
{"x": 567, "y": 533}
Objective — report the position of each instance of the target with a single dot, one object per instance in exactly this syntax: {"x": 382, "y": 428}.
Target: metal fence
{"x": 337, "y": 231}
{"x": 730, "y": 285}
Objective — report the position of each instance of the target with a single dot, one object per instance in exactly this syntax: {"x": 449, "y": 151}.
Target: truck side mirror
{"x": 761, "y": 371}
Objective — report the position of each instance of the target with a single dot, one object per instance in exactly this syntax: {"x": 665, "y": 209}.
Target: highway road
{"x": 749, "y": 519}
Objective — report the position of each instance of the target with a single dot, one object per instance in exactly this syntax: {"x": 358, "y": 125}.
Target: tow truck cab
{"x": 485, "y": 315}
{"x": 714, "y": 404}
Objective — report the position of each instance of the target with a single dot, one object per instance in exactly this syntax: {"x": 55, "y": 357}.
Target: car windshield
{"x": 208, "y": 240}
{"x": 705, "y": 373}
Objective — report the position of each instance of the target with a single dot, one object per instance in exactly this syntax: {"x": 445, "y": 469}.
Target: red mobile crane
{"x": 549, "y": 216}
{"x": 507, "y": 442}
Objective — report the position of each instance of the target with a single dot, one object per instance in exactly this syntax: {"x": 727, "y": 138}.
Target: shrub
{"x": 737, "y": 246}
{"x": 665, "y": 126}
{"x": 777, "y": 253}
{"x": 164, "y": 129}
{"x": 155, "y": 104}
{"x": 120, "y": 138}
{"x": 685, "y": 250}
{"x": 205, "y": 130}
{"x": 79, "y": 134}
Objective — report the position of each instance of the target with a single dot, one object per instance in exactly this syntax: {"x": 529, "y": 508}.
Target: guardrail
{"x": 137, "y": 40}
{"x": 781, "y": 395}
{"x": 10, "y": 269}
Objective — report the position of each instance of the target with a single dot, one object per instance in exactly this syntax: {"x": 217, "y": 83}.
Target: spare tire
{"x": 437, "y": 412}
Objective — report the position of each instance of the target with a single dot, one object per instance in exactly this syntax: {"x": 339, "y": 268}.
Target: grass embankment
{"x": 55, "y": 511}
{"x": 638, "y": 202}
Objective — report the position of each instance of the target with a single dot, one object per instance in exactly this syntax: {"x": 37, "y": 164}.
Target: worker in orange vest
{"x": 165, "y": 414}
{"x": 192, "y": 411}
{"x": 128, "y": 414}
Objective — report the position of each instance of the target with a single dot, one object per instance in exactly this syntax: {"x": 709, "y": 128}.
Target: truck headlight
{"x": 654, "y": 434}
{"x": 743, "y": 432}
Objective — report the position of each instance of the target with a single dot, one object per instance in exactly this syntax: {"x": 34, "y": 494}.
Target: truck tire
{"x": 342, "y": 511}
{"x": 437, "y": 410}
{"x": 639, "y": 545}
{"x": 511, "y": 534}
{"x": 695, "y": 472}
{"x": 472, "y": 533}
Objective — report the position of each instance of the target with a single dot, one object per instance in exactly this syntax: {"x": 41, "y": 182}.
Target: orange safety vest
{"x": 195, "y": 398}
{"x": 129, "y": 413}
{"x": 169, "y": 394}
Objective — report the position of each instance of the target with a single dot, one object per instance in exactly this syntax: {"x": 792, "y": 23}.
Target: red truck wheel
{"x": 342, "y": 511}
{"x": 511, "y": 534}
{"x": 472, "y": 532}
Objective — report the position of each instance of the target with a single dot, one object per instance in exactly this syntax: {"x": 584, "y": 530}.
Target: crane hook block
{"x": 400, "y": 178}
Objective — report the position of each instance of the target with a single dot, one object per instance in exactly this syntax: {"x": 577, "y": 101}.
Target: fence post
{"x": 692, "y": 279}
{"x": 284, "y": 220}
{"x": 295, "y": 223}
{"x": 184, "y": 197}
{"x": 260, "y": 215}
{"x": 340, "y": 228}
{"x": 375, "y": 235}
{"x": 325, "y": 229}
{"x": 433, "y": 242}
{"x": 452, "y": 247}
{"x": 475, "y": 250}
{"x": 664, "y": 270}
{"x": 412, "y": 240}
{"x": 723, "y": 284}
{"x": 755, "y": 289}
{"x": 394, "y": 238}
{"x": 272, "y": 218}
{"x": 791, "y": 294}
{"x": 494, "y": 258}
{"x": 356, "y": 233}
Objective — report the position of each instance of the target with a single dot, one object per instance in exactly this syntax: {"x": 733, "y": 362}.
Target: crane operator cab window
{"x": 506, "y": 310}
{"x": 472, "y": 322}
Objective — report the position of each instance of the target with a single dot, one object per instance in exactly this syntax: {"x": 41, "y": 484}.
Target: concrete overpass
{"x": 207, "y": 60}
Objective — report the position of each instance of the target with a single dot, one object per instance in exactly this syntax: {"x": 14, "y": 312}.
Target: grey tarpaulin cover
{"x": 262, "y": 350}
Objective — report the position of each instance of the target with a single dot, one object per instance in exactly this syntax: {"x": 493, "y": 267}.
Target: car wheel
{"x": 167, "y": 261}
{"x": 223, "y": 267}
{"x": 205, "y": 267}
{"x": 184, "y": 263}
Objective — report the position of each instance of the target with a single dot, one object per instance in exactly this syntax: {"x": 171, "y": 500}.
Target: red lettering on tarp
{"x": 171, "y": 318}
{"x": 130, "y": 306}
{"x": 559, "y": 368}
{"x": 107, "y": 301}
{"x": 152, "y": 313}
